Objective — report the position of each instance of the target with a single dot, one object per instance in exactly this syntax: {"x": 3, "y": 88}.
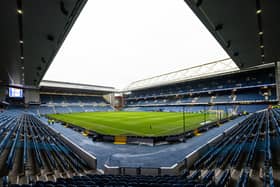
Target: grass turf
{"x": 135, "y": 123}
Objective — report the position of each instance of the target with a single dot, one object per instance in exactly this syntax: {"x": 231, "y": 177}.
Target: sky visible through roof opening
{"x": 116, "y": 42}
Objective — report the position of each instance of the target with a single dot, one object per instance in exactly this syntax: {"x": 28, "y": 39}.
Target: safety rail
{"x": 11, "y": 156}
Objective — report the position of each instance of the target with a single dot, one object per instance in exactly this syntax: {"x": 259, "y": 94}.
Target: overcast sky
{"x": 116, "y": 42}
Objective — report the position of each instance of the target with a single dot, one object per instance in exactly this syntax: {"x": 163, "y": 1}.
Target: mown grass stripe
{"x": 135, "y": 123}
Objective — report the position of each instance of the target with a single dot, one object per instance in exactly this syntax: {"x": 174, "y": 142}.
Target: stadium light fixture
{"x": 198, "y": 3}
{"x": 228, "y": 44}
{"x": 259, "y": 11}
{"x": 219, "y": 27}
{"x": 19, "y": 11}
{"x": 21, "y": 42}
{"x": 260, "y": 33}
{"x": 22, "y": 58}
{"x": 262, "y": 46}
{"x": 235, "y": 54}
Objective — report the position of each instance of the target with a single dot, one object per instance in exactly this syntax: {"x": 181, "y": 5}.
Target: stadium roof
{"x": 54, "y": 86}
{"x": 247, "y": 30}
{"x": 107, "y": 47}
{"x": 205, "y": 70}
{"x": 31, "y": 34}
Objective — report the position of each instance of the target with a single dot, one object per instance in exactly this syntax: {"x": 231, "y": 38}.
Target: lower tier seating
{"x": 244, "y": 156}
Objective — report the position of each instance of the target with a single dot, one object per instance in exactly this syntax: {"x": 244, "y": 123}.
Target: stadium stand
{"x": 228, "y": 162}
{"x": 30, "y": 150}
{"x": 244, "y": 152}
{"x": 235, "y": 80}
{"x": 244, "y": 90}
{"x": 69, "y": 104}
{"x": 110, "y": 180}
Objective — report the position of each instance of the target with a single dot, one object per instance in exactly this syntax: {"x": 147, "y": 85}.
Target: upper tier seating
{"x": 222, "y": 99}
{"x": 249, "y": 97}
{"x": 227, "y": 82}
{"x": 70, "y": 99}
{"x": 257, "y": 86}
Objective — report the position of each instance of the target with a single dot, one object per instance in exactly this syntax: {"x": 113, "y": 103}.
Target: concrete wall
{"x": 173, "y": 170}
{"x": 277, "y": 79}
{"x": 31, "y": 96}
{"x": 3, "y": 93}
{"x": 191, "y": 158}
{"x": 150, "y": 171}
{"x": 111, "y": 170}
{"x": 90, "y": 159}
{"x": 177, "y": 168}
{"x": 130, "y": 171}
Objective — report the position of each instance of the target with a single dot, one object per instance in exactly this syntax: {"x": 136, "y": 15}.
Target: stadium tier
{"x": 244, "y": 155}
{"x": 231, "y": 109}
{"x": 211, "y": 125}
{"x": 233, "y": 81}
{"x": 65, "y": 134}
{"x": 70, "y": 104}
{"x": 237, "y": 90}
{"x": 66, "y": 99}
{"x": 32, "y": 151}
{"x": 120, "y": 181}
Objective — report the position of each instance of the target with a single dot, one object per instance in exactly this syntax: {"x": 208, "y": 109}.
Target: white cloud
{"x": 116, "y": 42}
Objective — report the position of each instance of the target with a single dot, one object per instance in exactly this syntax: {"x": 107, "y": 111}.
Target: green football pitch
{"x": 136, "y": 123}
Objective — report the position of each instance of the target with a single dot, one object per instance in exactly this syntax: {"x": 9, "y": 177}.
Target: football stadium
{"x": 215, "y": 124}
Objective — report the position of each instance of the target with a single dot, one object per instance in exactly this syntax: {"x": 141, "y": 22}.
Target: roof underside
{"x": 248, "y": 30}
{"x": 31, "y": 34}
{"x": 192, "y": 73}
{"x": 65, "y": 87}
{"x": 30, "y": 38}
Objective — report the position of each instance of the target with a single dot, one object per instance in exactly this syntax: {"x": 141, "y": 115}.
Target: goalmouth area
{"x": 137, "y": 123}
